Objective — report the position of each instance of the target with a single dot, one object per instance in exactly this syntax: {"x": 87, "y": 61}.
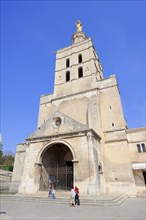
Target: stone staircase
{"x": 104, "y": 200}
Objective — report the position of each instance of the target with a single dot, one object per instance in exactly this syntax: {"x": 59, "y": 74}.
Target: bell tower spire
{"x": 78, "y": 36}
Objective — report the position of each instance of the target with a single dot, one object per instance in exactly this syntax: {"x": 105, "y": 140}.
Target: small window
{"x": 80, "y": 72}
{"x": 143, "y": 147}
{"x": 67, "y": 76}
{"x": 80, "y": 58}
{"x": 67, "y": 63}
{"x": 113, "y": 124}
{"x": 138, "y": 148}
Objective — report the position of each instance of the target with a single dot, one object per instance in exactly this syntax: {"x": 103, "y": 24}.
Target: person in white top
{"x": 72, "y": 196}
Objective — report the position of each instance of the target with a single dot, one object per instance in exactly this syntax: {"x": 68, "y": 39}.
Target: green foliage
{"x": 6, "y": 161}
{"x": 5, "y": 167}
{"x": 1, "y": 156}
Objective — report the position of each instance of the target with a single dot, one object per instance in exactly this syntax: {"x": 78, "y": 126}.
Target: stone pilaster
{"x": 93, "y": 187}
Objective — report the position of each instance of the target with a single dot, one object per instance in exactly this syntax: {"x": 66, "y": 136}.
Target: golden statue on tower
{"x": 79, "y": 26}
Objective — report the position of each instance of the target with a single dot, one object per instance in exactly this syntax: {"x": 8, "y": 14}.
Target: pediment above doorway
{"x": 58, "y": 124}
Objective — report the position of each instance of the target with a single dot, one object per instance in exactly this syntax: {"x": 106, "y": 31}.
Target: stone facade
{"x": 81, "y": 126}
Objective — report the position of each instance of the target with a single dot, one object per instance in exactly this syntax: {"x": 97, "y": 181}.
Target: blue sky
{"x": 31, "y": 32}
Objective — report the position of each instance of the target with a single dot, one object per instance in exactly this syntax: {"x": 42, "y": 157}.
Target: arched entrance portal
{"x": 57, "y": 168}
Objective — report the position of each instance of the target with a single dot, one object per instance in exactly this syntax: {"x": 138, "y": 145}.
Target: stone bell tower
{"x": 77, "y": 66}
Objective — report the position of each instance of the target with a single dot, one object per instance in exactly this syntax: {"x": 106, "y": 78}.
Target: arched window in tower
{"x": 80, "y": 72}
{"x": 143, "y": 147}
{"x": 67, "y": 76}
{"x": 67, "y": 62}
{"x": 80, "y": 58}
{"x": 138, "y": 148}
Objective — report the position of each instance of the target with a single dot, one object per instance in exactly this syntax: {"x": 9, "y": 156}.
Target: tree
{"x": 1, "y": 154}
{"x": 6, "y": 161}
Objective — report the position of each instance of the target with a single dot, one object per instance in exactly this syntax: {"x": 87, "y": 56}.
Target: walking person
{"x": 50, "y": 190}
{"x": 77, "y": 200}
{"x": 72, "y": 196}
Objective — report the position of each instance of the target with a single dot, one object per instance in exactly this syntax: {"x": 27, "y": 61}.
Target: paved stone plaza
{"x": 132, "y": 208}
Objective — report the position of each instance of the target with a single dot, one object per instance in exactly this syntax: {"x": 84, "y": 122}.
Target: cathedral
{"x": 82, "y": 137}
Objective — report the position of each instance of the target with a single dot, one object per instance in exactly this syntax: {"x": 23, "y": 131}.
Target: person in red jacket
{"x": 77, "y": 201}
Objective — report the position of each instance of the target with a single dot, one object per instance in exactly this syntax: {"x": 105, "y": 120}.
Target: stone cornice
{"x": 74, "y": 45}
{"x": 138, "y": 141}
{"x": 74, "y": 53}
{"x": 115, "y": 140}
{"x": 65, "y": 135}
{"x": 20, "y": 151}
{"x": 134, "y": 130}
{"x": 115, "y": 130}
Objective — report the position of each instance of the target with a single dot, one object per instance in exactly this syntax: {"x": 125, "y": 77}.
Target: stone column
{"x": 93, "y": 188}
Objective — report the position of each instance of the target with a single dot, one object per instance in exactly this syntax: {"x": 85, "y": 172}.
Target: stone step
{"x": 114, "y": 201}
